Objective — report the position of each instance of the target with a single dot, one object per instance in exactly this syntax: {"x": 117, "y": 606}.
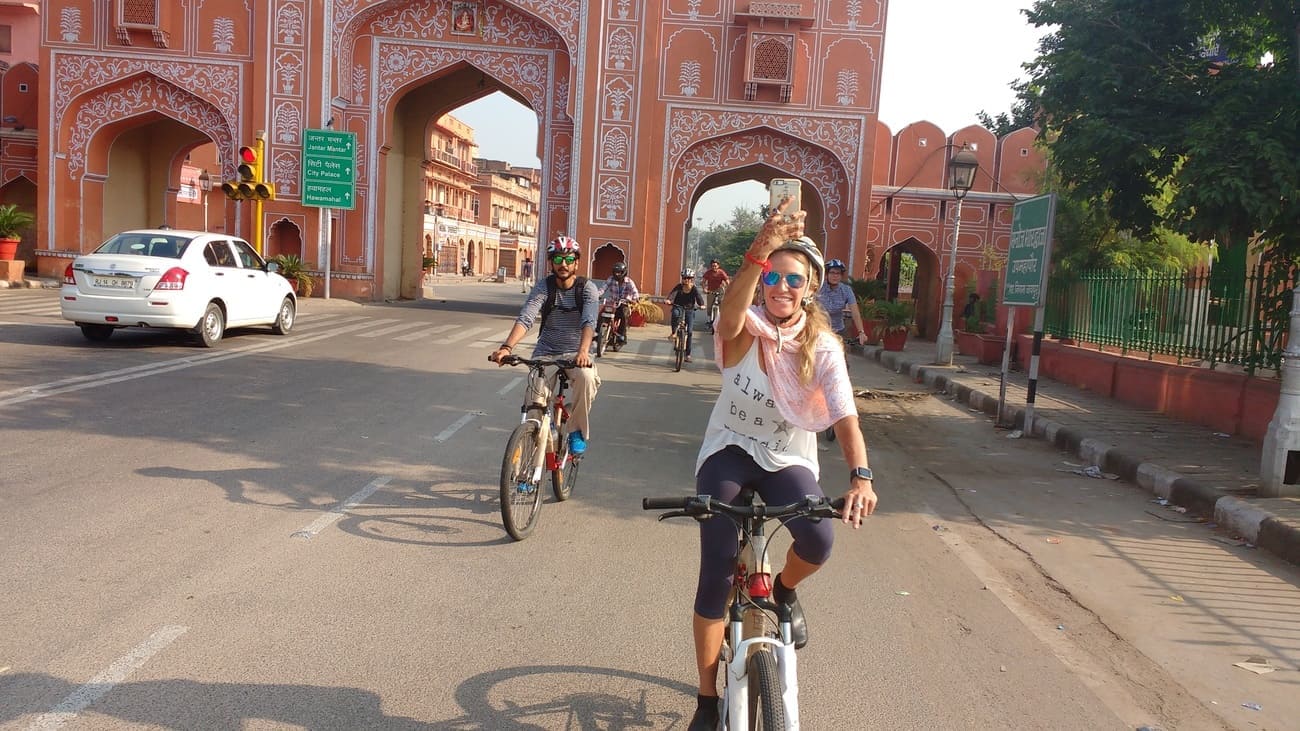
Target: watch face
{"x": 861, "y": 472}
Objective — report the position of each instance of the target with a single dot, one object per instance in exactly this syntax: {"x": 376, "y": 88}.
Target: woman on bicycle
{"x": 783, "y": 380}
{"x": 685, "y": 298}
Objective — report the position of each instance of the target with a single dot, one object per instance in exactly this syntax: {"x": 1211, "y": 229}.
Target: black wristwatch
{"x": 861, "y": 472}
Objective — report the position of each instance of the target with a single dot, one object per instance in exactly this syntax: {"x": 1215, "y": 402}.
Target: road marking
{"x": 391, "y": 329}
{"x": 43, "y": 307}
{"x": 510, "y": 386}
{"x": 80, "y": 383}
{"x": 357, "y": 498}
{"x": 425, "y": 333}
{"x": 462, "y": 335}
{"x": 101, "y": 684}
{"x": 445, "y": 434}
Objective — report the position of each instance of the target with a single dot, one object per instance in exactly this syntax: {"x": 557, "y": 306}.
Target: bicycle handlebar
{"x": 700, "y": 506}
{"x": 534, "y": 362}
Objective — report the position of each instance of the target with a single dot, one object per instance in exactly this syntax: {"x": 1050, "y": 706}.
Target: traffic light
{"x": 251, "y": 184}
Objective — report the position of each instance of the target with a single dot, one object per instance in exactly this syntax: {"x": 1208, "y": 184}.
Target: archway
{"x": 603, "y": 261}
{"x": 285, "y": 237}
{"x": 926, "y": 282}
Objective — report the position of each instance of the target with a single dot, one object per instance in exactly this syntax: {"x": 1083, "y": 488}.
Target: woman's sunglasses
{"x": 793, "y": 280}
{"x": 566, "y": 259}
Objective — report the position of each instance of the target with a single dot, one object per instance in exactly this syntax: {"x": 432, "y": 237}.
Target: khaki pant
{"x": 583, "y": 384}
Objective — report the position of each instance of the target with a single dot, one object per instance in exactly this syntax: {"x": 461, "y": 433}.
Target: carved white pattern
{"x": 796, "y": 157}
{"x": 623, "y": 9}
{"x": 617, "y": 99}
{"x": 285, "y": 172}
{"x": 401, "y": 64}
{"x": 614, "y": 149}
{"x": 223, "y": 35}
{"x": 689, "y": 78}
{"x": 620, "y": 48}
{"x": 843, "y": 137}
{"x": 854, "y": 8}
{"x": 359, "y": 85}
{"x": 70, "y": 24}
{"x": 693, "y": 9}
{"x": 286, "y": 123}
{"x": 561, "y": 95}
{"x": 846, "y": 87}
{"x": 289, "y": 25}
{"x": 612, "y": 198}
{"x": 288, "y": 72}
{"x": 560, "y": 171}
{"x": 75, "y": 75}
{"x": 502, "y": 25}
{"x": 142, "y": 95}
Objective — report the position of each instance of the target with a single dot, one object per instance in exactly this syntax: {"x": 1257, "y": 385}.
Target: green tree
{"x": 1182, "y": 114}
{"x": 1021, "y": 116}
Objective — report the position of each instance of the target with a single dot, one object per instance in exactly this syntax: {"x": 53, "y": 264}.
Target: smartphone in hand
{"x": 781, "y": 188}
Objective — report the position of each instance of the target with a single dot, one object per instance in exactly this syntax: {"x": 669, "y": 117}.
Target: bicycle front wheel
{"x": 766, "y": 709}
{"x": 680, "y": 355}
{"x": 564, "y": 478}
{"x": 521, "y": 497}
{"x": 602, "y": 334}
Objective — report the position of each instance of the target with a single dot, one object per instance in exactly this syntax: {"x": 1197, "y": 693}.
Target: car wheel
{"x": 97, "y": 333}
{"x": 212, "y": 326}
{"x": 284, "y": 320}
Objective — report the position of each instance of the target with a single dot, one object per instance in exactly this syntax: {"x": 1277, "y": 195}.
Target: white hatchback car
{"x": 188, "y": 280}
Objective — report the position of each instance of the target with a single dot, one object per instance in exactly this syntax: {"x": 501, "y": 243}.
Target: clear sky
{"x": 944, "y": 61}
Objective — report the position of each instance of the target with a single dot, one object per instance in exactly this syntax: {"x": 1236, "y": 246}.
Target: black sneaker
{"x": 706, "y": 716}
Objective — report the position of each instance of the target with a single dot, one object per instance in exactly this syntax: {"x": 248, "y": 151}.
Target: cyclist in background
{"x": 567, "y": 305}
{"x": 836, "y": 296}
{"x": 620, "y": 289}
{"x": 783, "y": 380}
{"x": 715, "y": 281}
{"x": 688, "y": 297}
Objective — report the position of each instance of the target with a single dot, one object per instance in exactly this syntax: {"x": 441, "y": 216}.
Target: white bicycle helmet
{"x": 805, "y": 246}
{"x": 563, "y": 245}
{"x": 688, "y": 274}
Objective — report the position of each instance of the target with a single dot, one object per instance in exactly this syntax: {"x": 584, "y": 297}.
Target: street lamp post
{"x": 961, "y": 176}
{"x": 205, "y": 184}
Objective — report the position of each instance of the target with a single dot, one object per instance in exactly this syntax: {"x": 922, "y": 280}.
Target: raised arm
{"x": 775, "y": 231}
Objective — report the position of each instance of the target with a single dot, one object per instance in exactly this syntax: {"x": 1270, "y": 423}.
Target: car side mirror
{"x": 272, "y": 267}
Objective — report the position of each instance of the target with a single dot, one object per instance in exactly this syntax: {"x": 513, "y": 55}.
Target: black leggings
{"x": 722, "y": 476}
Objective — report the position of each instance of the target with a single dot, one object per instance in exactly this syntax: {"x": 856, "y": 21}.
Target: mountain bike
{"x": 539, "y": 444}
{"x": 680, "y": 335}
{"x": 713, "y": 311}
{"x": 760, "y": 679}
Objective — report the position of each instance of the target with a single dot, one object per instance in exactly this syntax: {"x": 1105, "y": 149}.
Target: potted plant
{"x": 292, "y": 269}
{"x": 896, "y": 317}
{"x": 644, "y": 310}
{"x": 13, "y": 221}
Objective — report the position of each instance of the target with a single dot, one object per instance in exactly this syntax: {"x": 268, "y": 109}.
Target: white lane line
{"x": 101, "y": 684}
{"x": 510, "y": 386}
{"x": 357, "y": 498}
{"x": 462, "y": 335}
{"x": 391, "y": 329}
{"x": 445, "y": 434}
{"x": 425, "y": 332}
{"x": 80, "y": 383}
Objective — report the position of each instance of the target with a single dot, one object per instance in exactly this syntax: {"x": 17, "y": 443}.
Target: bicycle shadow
{"x": 610, "y": 699}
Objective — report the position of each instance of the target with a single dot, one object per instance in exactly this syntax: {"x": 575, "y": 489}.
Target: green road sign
{"x": 329, "y": 169}
{"x": 1031, "y": 251}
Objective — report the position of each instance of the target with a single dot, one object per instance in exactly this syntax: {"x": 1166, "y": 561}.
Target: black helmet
{"x": 620, "y": 269}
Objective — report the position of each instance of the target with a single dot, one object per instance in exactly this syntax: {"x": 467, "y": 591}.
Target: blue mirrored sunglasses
{"x": 792, "y": 280}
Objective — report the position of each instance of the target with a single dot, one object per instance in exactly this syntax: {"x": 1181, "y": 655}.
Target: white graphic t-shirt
{"x": 746, "y": 415}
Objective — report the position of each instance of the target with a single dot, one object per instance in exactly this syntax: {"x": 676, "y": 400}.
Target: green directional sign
{"x": 1025, "y": 281}
{"x": 329, "y": 169}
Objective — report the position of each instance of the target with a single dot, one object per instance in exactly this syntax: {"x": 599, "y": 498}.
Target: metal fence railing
{"x": 1193, "y": 317}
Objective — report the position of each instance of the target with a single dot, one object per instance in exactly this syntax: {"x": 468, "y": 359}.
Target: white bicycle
{"x": 761, "y": 682}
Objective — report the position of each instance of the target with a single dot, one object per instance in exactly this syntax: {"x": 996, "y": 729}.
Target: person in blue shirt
{"x": 836, "y": 296}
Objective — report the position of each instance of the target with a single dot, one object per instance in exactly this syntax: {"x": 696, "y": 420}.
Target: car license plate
{"x": 115, "y": 282}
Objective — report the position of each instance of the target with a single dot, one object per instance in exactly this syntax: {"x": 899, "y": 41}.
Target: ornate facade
{"x": 641, "y": 108}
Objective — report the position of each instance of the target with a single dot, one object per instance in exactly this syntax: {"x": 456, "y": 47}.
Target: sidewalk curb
{"x": 1238, "y": 517}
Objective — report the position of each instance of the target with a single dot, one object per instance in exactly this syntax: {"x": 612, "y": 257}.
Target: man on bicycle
{"x": 685, "y": 299}
{"x": 836, "y": 296}
{"x": 715, "y": 281}
{"x": 620, "y": 289}
{"x": 567, "y": 305}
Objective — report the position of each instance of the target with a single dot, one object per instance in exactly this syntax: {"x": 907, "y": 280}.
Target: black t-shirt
{"x": 686, "y": 299}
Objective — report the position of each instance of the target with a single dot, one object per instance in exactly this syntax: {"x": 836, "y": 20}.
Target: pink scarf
{"x": 811, "y": 407}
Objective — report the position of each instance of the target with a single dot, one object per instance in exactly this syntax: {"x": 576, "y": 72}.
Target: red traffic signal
{"x": 250, "y": 165}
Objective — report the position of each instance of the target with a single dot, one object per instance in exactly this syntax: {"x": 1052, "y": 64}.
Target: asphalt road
{"x": 303, "y": 532}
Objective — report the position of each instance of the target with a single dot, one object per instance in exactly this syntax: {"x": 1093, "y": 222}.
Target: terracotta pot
{"x": 8, "y": 249}
{"x": 636, "y": 319}
{"x": 894, "y": 340}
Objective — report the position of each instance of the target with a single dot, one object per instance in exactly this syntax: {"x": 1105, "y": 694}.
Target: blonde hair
{"x": 816, "y": 323}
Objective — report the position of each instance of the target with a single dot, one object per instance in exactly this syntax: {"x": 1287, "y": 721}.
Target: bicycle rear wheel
{"x": 563, "y": 479}
{"x": 766, "y": 708}
{"x": 521, "y": 498}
